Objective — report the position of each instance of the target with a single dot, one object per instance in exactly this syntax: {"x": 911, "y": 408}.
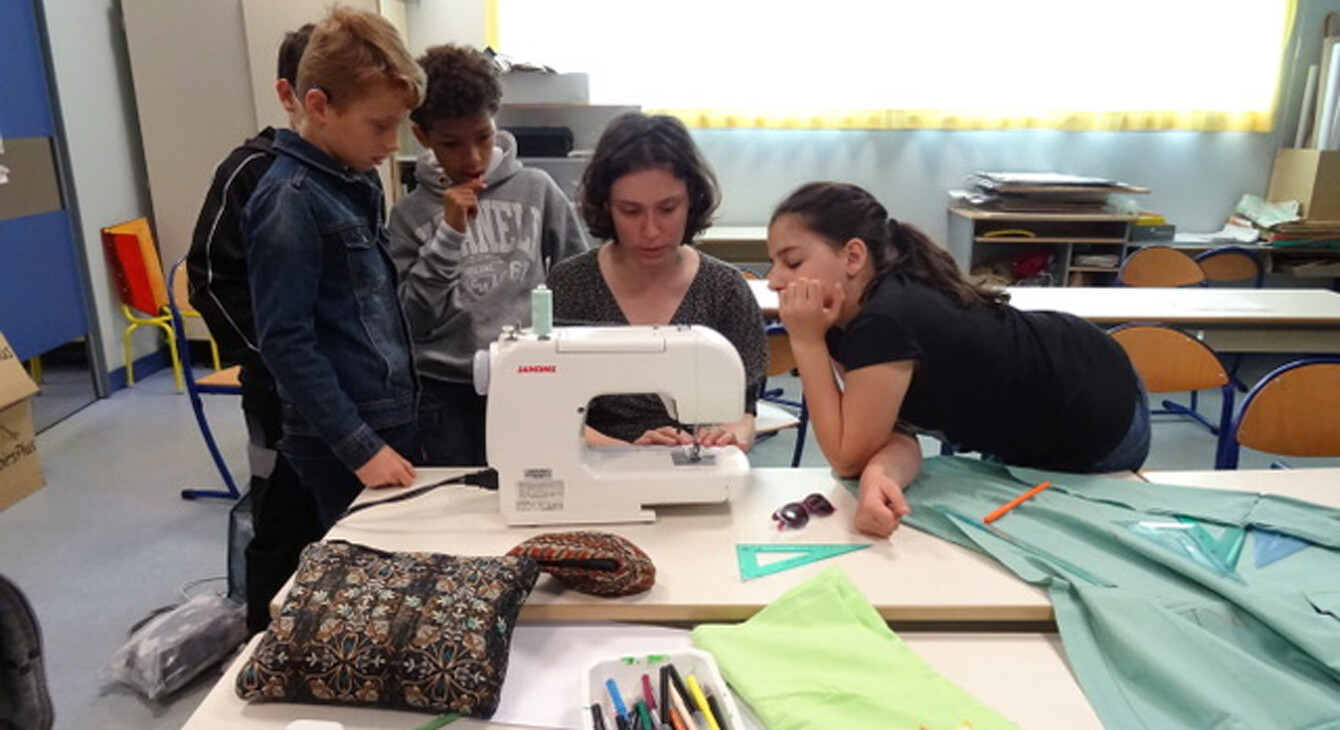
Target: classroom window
{"x": 899, "y": 64}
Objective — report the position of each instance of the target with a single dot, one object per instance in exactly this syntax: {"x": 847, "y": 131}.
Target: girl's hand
{"x": 386, "y": 469}
{"x": 809, "y": 307}
{"x": 664, "y": 436}
{"x": 881, "y": 505}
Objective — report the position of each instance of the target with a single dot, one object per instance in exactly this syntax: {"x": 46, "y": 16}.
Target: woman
{"x": 647, "y": 192}
{"x": 919, "y": 348}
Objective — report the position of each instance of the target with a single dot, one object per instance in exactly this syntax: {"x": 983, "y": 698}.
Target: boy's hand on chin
{"x": 460, "y": 203}
{"x": 386, "y": 469}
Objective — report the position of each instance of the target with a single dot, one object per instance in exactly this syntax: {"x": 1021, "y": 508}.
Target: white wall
{"x": 97, "y": 106}
{"x": 1195, "y": 177}
{"x": 431, "y": 22}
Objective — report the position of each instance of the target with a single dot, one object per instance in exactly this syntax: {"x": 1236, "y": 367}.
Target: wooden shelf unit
{"x": 982, "y": 241}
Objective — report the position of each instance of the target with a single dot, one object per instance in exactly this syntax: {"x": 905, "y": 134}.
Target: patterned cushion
{"x": 597, "y": 563}
{"x": 409, "y": 631}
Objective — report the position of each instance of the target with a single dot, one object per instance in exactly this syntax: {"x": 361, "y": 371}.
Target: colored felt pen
{"x": 642, "y": 716}
{"x": 678, "y": 682}
{"x": 1000, "y": 512}
{"x": 676, "y": 721}
{"x": 715, "y": 706}
{"x": 682, "y": 710}
{"x": 597, "y": 717}
{"x": 621, "y": 723}
{"x": 620, "y": 709}
{"x": 665, "y": 694}
{"x": 647, "y": 693}
{"x": 701, "y": 701}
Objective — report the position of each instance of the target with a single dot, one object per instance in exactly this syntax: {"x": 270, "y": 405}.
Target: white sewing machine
{"x": 538, "y": 392}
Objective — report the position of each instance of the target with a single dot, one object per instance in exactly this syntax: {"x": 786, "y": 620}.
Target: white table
{"x": 1023, "y": 676}
{"x": 912, "y": 578}
{"x": 1229, "y": 320}
{"x": 1321, "y": 486}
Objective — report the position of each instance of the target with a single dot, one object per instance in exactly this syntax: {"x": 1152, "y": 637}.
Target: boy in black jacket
{"x": 284, "y": 515}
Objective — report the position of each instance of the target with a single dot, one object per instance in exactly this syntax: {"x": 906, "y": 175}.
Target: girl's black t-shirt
{"x": 1040, "y": 389}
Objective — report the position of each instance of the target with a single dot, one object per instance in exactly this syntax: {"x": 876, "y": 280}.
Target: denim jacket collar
{"x": 290, "y": 143}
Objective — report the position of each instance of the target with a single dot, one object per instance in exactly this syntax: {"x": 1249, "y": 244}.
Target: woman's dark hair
{"x": 840, "y": 212}
{"x": 462, "y": 82}
{"x": 633, "y": 142}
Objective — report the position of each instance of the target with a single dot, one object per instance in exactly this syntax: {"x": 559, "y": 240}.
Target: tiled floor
{"x": 109, "y": 540}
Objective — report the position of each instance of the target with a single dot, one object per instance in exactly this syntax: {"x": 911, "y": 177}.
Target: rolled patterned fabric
{"x": 598, "y": 563}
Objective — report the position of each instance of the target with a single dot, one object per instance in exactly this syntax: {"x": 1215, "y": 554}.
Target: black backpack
{"x": 25, "y": 703}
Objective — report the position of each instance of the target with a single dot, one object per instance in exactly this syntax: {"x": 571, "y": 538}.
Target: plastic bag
{"x": 175, "y": 647}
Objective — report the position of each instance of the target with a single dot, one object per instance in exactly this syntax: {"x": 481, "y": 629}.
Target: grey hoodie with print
{"x": 460, "y": 289}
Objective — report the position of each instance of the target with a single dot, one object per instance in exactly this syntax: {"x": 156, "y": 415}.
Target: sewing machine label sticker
{"x": 539, "y": 491}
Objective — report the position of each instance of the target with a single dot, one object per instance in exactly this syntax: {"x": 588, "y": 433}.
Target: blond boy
{"x": 323, "y": 285}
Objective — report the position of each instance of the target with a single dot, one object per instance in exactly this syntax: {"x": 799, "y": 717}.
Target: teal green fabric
{"x": 1157, "y": 639}
{"x": 820, "y": 656}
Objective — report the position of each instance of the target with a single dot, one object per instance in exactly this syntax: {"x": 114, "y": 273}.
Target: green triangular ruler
{"x": 803, "y": 555}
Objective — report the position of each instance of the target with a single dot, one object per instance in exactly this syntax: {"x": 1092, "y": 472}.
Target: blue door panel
{"x": 23, "y": 83}
{"x": 40, "y": 290}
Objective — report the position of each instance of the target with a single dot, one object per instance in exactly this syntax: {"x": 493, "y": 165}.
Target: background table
{"x": 1229, "y": 320}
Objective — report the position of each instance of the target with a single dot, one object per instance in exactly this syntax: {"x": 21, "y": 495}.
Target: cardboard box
{"x": 1312, "y": 177}
{"x": 20, "y": 466}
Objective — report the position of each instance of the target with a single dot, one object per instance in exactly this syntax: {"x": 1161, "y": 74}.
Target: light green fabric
{"x": 1158, "y": 640}
{"x": 820, "y": 656}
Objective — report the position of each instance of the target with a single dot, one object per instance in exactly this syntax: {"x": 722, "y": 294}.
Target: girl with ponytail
{"x": 919, "y": 348}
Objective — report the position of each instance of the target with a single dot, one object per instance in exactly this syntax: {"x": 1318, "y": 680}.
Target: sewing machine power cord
{"x": 484, "y": 479}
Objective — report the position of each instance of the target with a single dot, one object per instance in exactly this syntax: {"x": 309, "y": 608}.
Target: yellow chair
{"x": 1161, "y": 266}
{"x": 138, "y": 272}
{"x": 1293, "y": 411}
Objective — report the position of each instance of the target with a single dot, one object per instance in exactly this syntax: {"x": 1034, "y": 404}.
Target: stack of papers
{"x": 1039, "y": 192}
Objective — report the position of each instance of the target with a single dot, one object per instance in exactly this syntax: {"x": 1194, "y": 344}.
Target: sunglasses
{"x": 796, "y": 515}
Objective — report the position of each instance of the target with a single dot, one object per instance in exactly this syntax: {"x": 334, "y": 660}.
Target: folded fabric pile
{"x": 820, "y": 656}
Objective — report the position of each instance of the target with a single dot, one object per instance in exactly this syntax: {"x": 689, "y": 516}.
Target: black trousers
{"x": 451, "y": 424}
{"x": 284, "y": 514}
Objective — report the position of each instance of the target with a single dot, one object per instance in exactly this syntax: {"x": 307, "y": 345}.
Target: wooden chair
{"x": 1232, "y": 264}
{"x": 781, "y": 362}
{"x": 1160, "y": 266}
{"x": 1293, "y": 411}
{"x": 775, "y": 411}
{"x": 1169, "y": 360}
{"x": 220, "y": 382}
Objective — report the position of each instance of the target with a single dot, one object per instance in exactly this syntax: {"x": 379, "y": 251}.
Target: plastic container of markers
{"x": 627, "y": 671}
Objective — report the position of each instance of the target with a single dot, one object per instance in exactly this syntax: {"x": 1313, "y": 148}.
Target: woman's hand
{"x": 717, "y": 436}
{"x": 664, "y": 436}
{"x": 386, "y": 468}
{"x": 809, "y": 307}
{"x": 880, "y": 505}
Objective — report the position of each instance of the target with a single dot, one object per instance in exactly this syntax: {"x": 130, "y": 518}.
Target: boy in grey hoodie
{"x": 477, "y": 234}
